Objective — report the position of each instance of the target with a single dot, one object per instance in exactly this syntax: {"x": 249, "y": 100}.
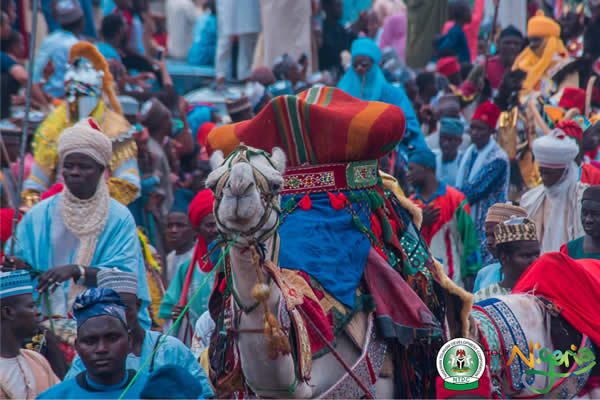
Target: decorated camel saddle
{"x": 328, "y": 290}
{"x": 541, "y": 340}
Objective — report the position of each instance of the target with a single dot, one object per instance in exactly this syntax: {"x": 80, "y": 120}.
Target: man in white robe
{"x": 555, "y": 206}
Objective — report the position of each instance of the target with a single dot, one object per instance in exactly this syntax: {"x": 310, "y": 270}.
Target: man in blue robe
{"x": 103, "y": 340}
{"x": 170, "y": 352}
{"x": 365, "y": 81}
{"x": 69, "y": 237}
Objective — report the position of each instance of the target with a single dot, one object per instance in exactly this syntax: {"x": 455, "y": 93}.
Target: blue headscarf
{"x": 452, "y": 126}
{"x": 422, "y": 156}
{"x": 351, "y": 82}
{"x": 95, "y": 302}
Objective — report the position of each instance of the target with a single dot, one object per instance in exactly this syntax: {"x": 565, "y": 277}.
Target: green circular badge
{"x": 460, "y": 363}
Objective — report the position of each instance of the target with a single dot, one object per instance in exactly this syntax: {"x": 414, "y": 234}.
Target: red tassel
{"x": 306, "y": 203}
{"x": 223, "y": 285}
{"x": 93, "y": 124}
{"x": 338, "y": 201}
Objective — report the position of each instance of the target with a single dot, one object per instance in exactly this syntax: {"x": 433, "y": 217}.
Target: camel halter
{"x": 269, "y": 199}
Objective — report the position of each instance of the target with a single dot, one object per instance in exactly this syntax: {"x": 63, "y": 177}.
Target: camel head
{"x": 247, "y": 187}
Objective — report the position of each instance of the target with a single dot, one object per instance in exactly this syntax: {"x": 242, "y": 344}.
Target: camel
{"x": 247, "y": 194}
{"x": 247, "y": 189}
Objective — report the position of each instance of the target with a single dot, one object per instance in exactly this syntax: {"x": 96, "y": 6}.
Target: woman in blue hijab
{"x": 365, "y": 81}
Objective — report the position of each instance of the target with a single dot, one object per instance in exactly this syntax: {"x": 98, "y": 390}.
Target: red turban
{"x": 488, "y": 113}
{"x": 572, "y": 98}
{"x": 201, "y": 206}
{"x": 570, "y": 284}
{"x": 448, "y": 66}
{"x": 571, "y": 129}
{"x": 203, "y": 131}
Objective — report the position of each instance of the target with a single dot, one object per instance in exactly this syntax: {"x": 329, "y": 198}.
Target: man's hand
{"x": 12, "y": 263}
{"x": 430, "y": 215}
{"x": 177, "y": 309}
{"x": 55, "y": 276}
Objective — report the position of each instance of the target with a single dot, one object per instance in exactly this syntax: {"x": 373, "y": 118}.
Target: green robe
{"x": 425, "y": 20}
{"x": 574, "y": 249}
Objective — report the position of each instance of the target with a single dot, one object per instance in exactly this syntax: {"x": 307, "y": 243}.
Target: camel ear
{"x": 279, "y": 159}
{"x": 216, "y": 159}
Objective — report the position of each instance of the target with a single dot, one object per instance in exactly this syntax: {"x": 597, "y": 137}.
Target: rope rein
{"x": 164, "y": 337}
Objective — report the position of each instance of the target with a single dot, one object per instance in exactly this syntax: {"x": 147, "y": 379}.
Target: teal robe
{"x": 118, "y": 245}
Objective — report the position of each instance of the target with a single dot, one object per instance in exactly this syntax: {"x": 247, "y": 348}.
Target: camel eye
{"x": 275, "y": 187}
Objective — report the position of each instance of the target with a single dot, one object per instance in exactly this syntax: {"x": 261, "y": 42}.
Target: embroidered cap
{"x": 95, "y": 302}
{"x": 514, "y": 230}
{"x": 501, "y": 212}
{"x": 15, "y": 283}
{"x": 117, "y": 280}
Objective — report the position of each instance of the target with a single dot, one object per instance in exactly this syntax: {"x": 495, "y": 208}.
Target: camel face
{"x": 245, "y": 193}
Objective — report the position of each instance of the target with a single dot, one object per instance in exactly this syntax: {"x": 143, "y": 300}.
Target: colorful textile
{"x": 514, "y": 230}
{"x": 170, "y": 352}
{"x": 487, "y": 276}
{"x": 448, "y": 66}
{"x": 399, "y": 313}
{"x": 328, "y": 227}
{"x": 118, "y": 246}
{"x": 488, "y": 113}
{"x": 204, "y": 46}
{"x": 483, "y": 178}
{"x": 95, "y": 302}
{"x": 452, "y": 238}
{"x": 571, "y": 285}
{"x": 574, "y": 249}
{"x": 319, "y": 126}
{"x": 495, "y": 71}
{"x": 15, "y": 283}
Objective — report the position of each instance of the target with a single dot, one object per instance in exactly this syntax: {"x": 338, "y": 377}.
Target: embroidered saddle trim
{"x": 330, "y": 177}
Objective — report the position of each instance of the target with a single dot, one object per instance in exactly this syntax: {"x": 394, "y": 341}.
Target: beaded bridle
{"x": 269, "y": 197}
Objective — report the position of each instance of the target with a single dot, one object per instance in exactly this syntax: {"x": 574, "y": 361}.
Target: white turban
{"x": 85, "y": 137}
{"x": 556, "y": 150}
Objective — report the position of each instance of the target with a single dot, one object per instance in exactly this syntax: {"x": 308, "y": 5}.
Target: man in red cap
{"x": 484, "y": 170}
{"x": 189, "y": 277}
{"x": 450, "y": 68}
{"x": 587, "y": 141}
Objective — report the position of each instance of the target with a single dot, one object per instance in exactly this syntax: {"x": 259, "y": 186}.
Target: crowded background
{"x": 501, "y": 103}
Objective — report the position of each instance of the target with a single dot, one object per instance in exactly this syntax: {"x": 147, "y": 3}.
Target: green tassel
{"x": 291, "y": 203}
{"x": 375, "y": 200}
{"x": 359, "y": 225}
{"x": 386, "y": 230}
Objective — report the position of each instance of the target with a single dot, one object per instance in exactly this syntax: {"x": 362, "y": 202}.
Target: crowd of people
{"x": 115, "y": 240}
